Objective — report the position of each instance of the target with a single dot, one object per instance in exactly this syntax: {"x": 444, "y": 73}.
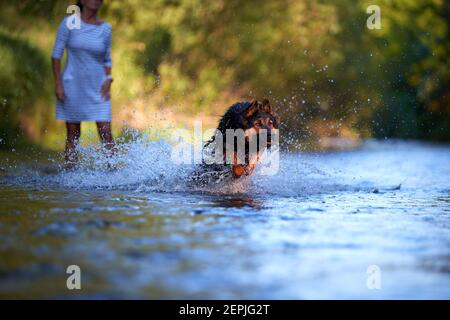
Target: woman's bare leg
{"x": 73, "y": 136}
{"x": 104, "y": 131}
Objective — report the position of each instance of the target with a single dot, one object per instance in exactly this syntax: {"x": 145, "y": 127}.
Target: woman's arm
{"x": 59, "y": 88}
{"x": 106, "y": 87}
{"x": 62, "y": 38}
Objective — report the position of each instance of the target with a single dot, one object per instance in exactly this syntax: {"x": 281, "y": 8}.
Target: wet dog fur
{"x": 251, "y": 117}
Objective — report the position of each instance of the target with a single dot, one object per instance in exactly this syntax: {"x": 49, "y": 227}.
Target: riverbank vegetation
{"x": 178, "y": 60}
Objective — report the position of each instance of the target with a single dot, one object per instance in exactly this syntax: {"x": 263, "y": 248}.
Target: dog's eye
{"x": 270, "y": 121}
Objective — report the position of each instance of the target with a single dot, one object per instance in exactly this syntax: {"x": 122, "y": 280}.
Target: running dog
{"x": 244, "y": 132}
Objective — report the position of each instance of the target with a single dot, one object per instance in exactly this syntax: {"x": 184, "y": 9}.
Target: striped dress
{"x": 88, "y": 53}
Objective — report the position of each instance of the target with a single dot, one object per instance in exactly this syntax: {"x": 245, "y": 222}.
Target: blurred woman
{"x": 83, "y": 88}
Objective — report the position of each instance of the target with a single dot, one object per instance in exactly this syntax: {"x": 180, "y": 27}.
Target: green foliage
{"x": 24, "y": 69}
{"x": 315, "y": 58}
{"x": 416, "y": 76}
{"x": 157, "y": 45}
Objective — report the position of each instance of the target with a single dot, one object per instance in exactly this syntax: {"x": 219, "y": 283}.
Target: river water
{"x": 370, "y": 223}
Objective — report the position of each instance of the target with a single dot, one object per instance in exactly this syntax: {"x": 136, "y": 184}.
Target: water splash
{"x": 143, "y": 164}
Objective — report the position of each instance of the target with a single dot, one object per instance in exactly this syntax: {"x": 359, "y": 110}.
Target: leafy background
{"x": 179, "y": 60}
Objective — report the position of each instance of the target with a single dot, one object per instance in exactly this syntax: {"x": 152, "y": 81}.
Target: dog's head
{"x": 260, "y": 116}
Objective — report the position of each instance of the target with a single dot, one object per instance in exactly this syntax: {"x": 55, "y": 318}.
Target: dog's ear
{"x": 266, "y": 107}
{"x": 251, "y": 109}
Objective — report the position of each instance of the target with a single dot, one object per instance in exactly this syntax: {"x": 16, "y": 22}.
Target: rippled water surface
{"x": 311, "y": 231}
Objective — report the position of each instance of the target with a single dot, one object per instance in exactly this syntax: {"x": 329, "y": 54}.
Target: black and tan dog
{"x": 234, "y": 155}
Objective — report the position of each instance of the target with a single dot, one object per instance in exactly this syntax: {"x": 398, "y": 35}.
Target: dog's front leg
{"x": 237, "y": 168}
{"x": 241, "y": 169}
